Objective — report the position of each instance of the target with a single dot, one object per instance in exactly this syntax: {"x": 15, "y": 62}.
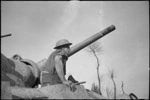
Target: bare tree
{"x": 96, "y": 49}
{"x": 112, "y": 78}
{"x": 109, "y": 93}
{"x": 122, "y": 87}
{"x": 95, "y": 88}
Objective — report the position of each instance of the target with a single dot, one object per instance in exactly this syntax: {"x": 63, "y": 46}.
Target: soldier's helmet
{"x": 16, "y": 57}
{"x": 62, "y": 42}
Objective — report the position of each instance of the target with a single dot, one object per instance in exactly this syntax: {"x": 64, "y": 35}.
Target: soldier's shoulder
{"x": 58, "y": 57}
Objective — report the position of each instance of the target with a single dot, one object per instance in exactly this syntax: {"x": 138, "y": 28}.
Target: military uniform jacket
{"x": 49, "y": 73}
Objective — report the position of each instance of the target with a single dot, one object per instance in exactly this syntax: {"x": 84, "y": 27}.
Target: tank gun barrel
{"x": 91, "y": 39}
{"x": 5, "y": 35}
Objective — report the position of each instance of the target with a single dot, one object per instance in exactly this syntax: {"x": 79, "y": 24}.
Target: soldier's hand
{"x": 73, "y": 88}
{"x": 70, "y": 85}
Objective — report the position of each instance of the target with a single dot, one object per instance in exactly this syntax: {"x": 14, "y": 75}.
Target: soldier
{"x": 16, "y": 57}
{"x": 54, "y": 70}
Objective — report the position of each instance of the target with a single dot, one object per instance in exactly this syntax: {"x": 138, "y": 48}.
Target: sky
{"x": 36, "y": 26}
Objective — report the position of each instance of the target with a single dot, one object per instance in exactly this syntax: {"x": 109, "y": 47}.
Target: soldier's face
{"x": 67, "y": 49}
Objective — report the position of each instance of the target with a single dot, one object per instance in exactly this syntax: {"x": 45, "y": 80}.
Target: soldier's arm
{"x": 59, "y": 68}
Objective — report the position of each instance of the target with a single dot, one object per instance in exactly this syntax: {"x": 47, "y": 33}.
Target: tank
{"x": 60, "y": 91}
